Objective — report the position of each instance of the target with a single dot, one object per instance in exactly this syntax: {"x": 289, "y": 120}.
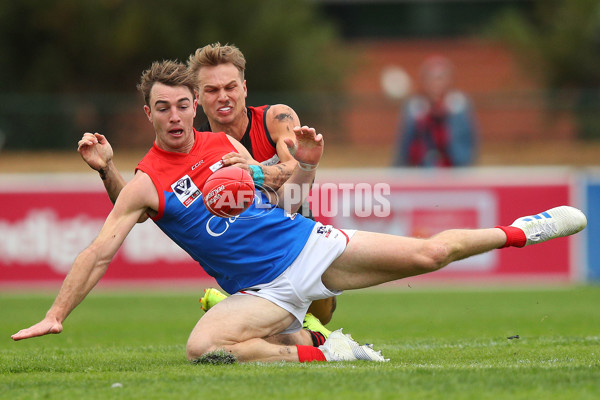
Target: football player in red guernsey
{"x": 222, "y": 93}
{"x": 273, "y": 282}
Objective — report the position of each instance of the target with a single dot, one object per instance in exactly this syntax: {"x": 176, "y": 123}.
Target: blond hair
{"x": 167, "y": 72}
{"x": 216, "y": 54}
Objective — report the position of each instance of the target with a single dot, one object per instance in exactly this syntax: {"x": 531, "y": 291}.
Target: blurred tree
{"x": 560, "y": 43}
{"x": 88, "y": 51}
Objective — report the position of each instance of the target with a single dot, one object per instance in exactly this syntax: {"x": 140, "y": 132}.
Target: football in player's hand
{"x": 228, "y": 192}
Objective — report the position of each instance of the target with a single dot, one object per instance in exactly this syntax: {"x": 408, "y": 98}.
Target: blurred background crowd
{"x": 518, "y": 81}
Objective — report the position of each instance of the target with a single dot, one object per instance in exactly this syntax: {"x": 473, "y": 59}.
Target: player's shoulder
{"x": 279, "y": 107}
{"x": 140, "y": 191}
{"x": 281, "y": 112}
{"x": 141, "y": 181}
{"x": 280, "y": 118}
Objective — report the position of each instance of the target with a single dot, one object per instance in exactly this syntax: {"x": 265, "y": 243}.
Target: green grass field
{"x": 446, "y": 344}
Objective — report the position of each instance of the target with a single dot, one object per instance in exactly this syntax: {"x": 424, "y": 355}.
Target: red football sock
{"x": 310, "y": 353}
{"x": 514, "y": 236}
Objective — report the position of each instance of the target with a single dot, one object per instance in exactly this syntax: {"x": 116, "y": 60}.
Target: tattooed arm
{"x": 280, "y": 121}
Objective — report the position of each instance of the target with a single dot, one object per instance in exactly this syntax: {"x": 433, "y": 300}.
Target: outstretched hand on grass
{"x": 44, "y": 327}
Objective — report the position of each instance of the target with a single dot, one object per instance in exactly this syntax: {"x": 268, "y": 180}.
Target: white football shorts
{"x": 300, "y": 284}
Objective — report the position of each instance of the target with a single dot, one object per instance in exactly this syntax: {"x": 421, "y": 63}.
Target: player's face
{"x": 222, "y": 93}
{"x": 172, "y": 110}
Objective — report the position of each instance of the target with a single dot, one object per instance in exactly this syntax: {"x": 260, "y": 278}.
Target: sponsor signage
{"x": 424, "y": 203}
{"x": 45, "y": 221}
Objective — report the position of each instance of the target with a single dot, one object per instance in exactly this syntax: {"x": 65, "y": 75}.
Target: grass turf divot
{"x": 218, "y": 357}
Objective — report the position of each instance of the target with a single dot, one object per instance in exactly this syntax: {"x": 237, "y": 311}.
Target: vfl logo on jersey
{"x": 185, "y": 190}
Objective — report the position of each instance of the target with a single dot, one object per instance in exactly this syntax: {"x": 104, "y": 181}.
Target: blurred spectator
{"x": 437, "y": 127}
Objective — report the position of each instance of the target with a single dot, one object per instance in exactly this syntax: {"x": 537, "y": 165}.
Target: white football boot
{"x": 341, "y": 347}
{"x": 554, "y": 223}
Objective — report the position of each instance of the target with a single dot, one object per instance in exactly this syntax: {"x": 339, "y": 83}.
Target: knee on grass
{"x": 209, "y": 353}
{"x": 216, "y": 357}
{"x": 195, "y": 350}
{"x": 214, "y": 349}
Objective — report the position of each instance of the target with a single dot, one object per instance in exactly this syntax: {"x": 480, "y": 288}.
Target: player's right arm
{"x": 97, "y": 152}
{"x": 91, "y": 264}
{"x": 280, "y": 122}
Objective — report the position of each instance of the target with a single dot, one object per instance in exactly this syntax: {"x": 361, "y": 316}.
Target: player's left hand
{"x": 236, "y": 160}
{"x": 308, "y": 146}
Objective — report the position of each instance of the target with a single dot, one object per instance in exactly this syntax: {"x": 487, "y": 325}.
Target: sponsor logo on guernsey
{"x": 185, "y": 190}
{"x": 199, "y": 163}
{"x": 214, "y": 226}
{"x": 325, "y": 230}
{"x": 287, "y": 214}
{"x": 216, "y": 166}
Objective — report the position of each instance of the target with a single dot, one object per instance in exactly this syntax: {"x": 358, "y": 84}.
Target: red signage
{"x": 45, "y": 224}
{"x": 422, "y": 204}
{"x": 46, "y": 221}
